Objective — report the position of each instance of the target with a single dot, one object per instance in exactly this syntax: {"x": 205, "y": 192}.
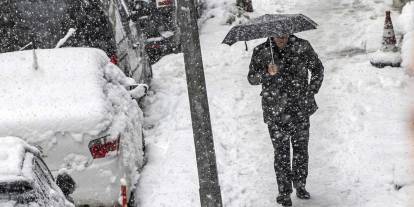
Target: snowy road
{"x": 359, "y": 141}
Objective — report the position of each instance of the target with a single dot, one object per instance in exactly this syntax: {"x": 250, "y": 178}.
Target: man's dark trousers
{"x": 282, "y": 134}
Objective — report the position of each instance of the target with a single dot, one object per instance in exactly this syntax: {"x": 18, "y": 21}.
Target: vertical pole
{"x": 35, "y": 62}
{"x": 210, "y": 195}
{"x": 177, "y": 35}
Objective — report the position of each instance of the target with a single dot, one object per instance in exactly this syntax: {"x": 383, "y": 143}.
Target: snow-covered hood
{"x": 5, "y": 203}
{"x": 12, "y": 159}
{"x": 65, "y": 93}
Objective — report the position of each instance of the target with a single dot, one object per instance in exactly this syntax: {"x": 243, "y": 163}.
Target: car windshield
{"x": 17, "y": 187}
{"x": 20, "y": 191}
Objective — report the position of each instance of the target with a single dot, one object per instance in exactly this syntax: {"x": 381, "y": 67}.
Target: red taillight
{"x": 165, "y": 3}
{"x": 102, "y": 147}
{"x": 114, "y": 59}
{"x": 154, "y": 46}
{"x": 124, "y": 194}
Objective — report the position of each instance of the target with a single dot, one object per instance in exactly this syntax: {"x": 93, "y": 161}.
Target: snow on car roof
{"x": 65, "y": 93}
{"x": 12, "y": 155}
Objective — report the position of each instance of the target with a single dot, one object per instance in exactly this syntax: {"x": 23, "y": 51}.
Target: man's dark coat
{"x": 288, "y": 93}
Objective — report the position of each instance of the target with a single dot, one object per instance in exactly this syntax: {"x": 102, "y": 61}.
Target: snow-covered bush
{"x": 225, "y": 11}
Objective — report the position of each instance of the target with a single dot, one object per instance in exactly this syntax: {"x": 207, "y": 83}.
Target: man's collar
{"x": 291, "y": 39}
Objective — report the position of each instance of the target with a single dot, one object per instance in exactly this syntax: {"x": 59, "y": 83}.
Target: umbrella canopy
{"x": 269, "y": 25}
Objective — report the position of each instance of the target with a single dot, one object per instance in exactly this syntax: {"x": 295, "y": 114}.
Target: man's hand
{"x": 272, "y": 69}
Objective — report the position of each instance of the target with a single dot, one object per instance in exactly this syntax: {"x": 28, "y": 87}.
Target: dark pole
{"x": 210, "y": 195}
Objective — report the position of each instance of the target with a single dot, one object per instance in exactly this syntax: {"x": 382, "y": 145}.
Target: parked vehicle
{"x": 76, "y": 106}
{"x": 157, "y": 20}
{"x": 25, "y": 179}
{"x": 158, "y": 47}
{"x": 98, "y": 24}
{"x": 130, "y": 41}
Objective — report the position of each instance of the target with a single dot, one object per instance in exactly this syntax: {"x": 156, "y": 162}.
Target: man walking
{"x": 281, "y": 66}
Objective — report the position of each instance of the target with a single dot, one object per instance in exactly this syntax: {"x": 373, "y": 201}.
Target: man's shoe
{"x": 284, "y": 200}
{"x": 301, "y": 193}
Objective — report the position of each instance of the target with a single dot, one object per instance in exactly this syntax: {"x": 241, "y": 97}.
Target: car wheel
{"x": 131, "y": 201}
{"x": 144, "y": 149}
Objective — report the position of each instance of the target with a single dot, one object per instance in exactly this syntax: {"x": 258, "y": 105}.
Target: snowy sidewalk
{"x": 359, "y": 141}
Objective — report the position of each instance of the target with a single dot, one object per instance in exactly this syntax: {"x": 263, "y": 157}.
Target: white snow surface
{"x": 12, "y": 154}
{"x": 75, "y": 93}
{"x": 406, "y": 24}
{"x": 360, "y": 147}
{"x": 386, "y": 57}
{"x": 405, "y": 20}
{"x": 64, "y": 95}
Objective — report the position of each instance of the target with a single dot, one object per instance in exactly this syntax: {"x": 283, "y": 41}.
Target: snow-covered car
{"x": 80, "y": 23}
{"x": 25, "y": 180}
{"x": 75, "y": 105}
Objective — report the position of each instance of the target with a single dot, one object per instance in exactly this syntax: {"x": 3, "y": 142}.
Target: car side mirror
{"x": 138, "y": 91}
{"x": 66, "y": 184}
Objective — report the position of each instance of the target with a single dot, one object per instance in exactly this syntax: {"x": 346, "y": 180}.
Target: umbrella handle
{"x": 271, "y": 50}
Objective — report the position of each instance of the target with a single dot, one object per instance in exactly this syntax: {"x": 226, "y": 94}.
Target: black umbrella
{"x": 269, "y": 25}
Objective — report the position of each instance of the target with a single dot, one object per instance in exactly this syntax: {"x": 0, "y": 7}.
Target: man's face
{"x": 281, "y": 41}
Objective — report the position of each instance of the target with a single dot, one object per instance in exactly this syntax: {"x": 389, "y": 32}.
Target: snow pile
{"x": 169, "y": 143}
{"x": 140, "y": 91}
{"x": 64, "y": 95}
{"x": 386, "y": 57}
{"x": 12, "y": 155}
{"x": 226, "y": 12}
{"x": 359, "y": 146}
{"x": 75, "y": 93}
{"x": 127, "y": 119}
{"x": 406, "y": 22}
